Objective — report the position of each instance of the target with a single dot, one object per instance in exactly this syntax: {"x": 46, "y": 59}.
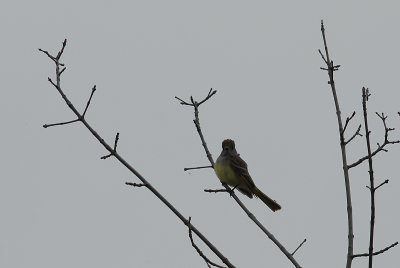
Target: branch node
{"x": 114, "y": 151}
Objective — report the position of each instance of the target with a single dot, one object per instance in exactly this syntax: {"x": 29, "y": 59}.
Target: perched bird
{"x": 232, "y": 170}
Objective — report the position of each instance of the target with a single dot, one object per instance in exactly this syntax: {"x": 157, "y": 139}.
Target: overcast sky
{"x": 61, "y": 206}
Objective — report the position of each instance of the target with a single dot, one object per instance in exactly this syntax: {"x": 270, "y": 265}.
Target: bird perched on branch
{"x": 232, "y": 170}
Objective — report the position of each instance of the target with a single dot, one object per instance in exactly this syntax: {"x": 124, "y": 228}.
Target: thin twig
{"x": 186, "y": 169}
{"x": 377, "y": 252}
{"x": 114, "y": 151}
{"x": 299, "y": 246}
{"x": 217, "y": 191}
{"x": 207, "y": 260}
{"x": 348, "y": 120}
{"x": 136, "y": 184}
{"x": 357, "y": 133}
{"x": 88, "y": 103}
{"x": 60, "y": 124}
{"x": 386, "y": 181}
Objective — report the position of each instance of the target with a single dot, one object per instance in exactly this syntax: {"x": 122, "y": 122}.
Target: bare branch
{"x": 348, "y": 120}
{"x": 381, "y": 147}
{"x": 193, "y": 103}
{"x": 207, "y": 260}
{"x": 114, "y": 151}
{"x": 60, "y": 124}
{"x": 377, "y": 252}
{"x": 357, "y": 133}
{"x": 88, "y": 103}
{"x": 386, "y": 181}
{"x": 323, "y": 57}
{"x": 121, "y": 160}
{"x": 217, "y": 191}
{"x": 186, "y": 169}
{"x": 136, "y": 184}
{"x": 299, "y": 246}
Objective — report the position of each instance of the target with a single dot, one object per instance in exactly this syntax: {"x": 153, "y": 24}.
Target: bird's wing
{"x": 240, "y": 167}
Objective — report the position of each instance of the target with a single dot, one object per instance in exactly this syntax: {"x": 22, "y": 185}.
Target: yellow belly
{"x": 226, "y": 174}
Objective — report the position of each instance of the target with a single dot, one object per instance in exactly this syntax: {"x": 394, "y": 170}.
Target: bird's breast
{"x": 225, "y": 173}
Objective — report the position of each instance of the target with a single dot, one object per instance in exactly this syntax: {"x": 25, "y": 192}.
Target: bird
{"x": 232, "y": 170}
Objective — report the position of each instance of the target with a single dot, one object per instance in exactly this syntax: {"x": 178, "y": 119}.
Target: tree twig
{"x": 191, "y": 168}
{"x": 377, "y": 252}
{"x": 136, "y": 184}
{"x": 386, "y": 181}
{"x": 207, "y": 260}
{"x": 357, "y": 133}
{"x": 348, "y": 120}
{"x": 299, "y": 246}
{"x": 114, "y": 151}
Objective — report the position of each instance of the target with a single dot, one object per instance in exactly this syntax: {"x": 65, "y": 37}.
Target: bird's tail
{"x": 268, "y": 201}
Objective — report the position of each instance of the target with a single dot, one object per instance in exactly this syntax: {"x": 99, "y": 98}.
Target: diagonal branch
{"x": 113, "y": 152}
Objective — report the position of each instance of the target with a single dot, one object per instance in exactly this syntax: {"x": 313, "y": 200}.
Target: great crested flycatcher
{"x": 232, "y": 169}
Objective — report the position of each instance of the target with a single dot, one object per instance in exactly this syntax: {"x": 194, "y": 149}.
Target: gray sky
{"x": 61, "y": 206}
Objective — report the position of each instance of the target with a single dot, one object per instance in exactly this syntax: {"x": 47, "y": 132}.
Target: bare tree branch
{"x": 377, "y": 252}
{"x": 114, "y": 153}
{"x": 196, "y": 121}
{"x": 385, "y": 182}
{"x": 186, "y": 169}
{"x": 136, "y": 184}
{"x": 207, "y": 260}
{"x": 88, "y": 103}
{"x": 357, "y": 133}
{"x": 60, "y": 124}
{"x": 381, "y": 147}
{"x": 299, "y": 246}
{"x": 348, "y": 120}
{"x": 331, "y": 68}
